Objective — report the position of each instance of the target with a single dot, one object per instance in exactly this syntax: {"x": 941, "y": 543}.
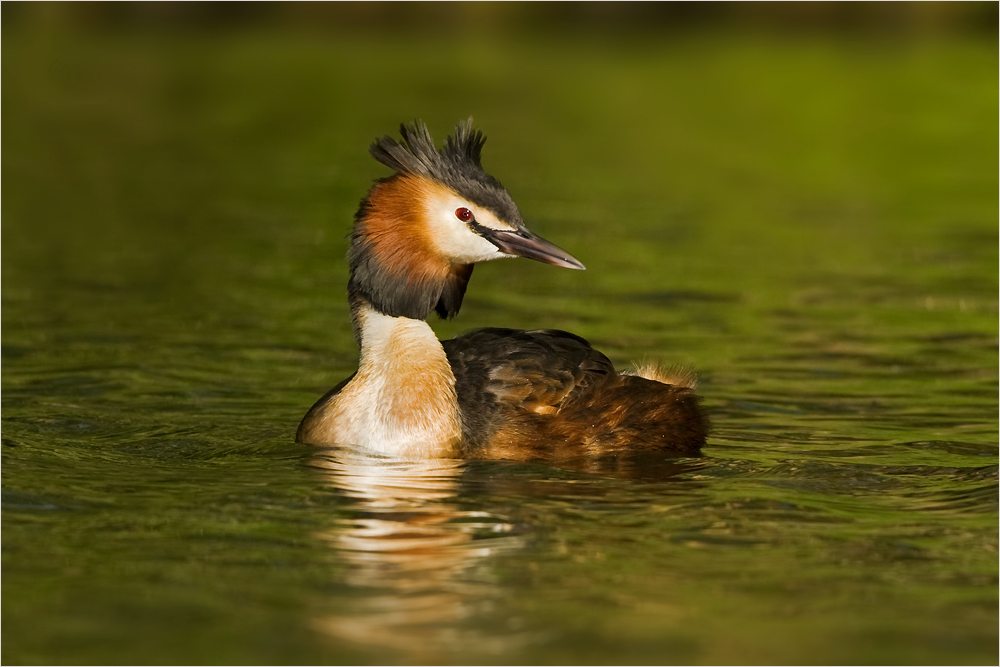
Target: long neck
{"x": 402, "y": 401}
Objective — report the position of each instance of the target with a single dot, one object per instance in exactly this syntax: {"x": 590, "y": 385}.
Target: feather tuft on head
{"x": 457, "y": 165}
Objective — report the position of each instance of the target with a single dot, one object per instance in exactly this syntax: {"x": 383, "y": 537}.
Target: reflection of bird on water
{"x": 412, "y": 553}
{"x": 490, "y": 393}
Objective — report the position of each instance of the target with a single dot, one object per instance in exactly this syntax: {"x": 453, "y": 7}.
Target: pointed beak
{"x": 524, "y": 243}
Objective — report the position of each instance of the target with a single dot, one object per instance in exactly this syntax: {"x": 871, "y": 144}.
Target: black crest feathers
{"x": 457, "y": 165}
{"x": 417, "y": 154}
{"x": 466, "y": 144}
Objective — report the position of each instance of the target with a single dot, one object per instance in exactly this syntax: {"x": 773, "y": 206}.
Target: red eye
{"x": 463, "y": 214}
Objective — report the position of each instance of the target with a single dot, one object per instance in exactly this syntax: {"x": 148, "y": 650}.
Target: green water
{"x": 811, "y": 223}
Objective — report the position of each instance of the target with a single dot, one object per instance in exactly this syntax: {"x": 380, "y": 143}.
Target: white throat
{"x": 402, "y": 401}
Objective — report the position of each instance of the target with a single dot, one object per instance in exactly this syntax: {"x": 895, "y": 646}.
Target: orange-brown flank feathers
{"x": 549, "y": 394}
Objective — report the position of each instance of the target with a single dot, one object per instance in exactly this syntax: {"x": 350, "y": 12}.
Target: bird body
{"x": 490, "y": 393}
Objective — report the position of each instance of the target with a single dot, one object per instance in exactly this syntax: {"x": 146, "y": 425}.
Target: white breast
{"x": 402, "y": 401}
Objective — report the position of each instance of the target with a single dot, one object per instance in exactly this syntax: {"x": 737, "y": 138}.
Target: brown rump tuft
{"x": 677, "y": 375}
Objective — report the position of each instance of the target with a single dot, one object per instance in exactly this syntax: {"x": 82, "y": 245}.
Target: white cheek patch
{"x": 453, "y": 238}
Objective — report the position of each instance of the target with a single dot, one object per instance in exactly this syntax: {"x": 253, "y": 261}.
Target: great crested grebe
{"x": 490, "y": 393}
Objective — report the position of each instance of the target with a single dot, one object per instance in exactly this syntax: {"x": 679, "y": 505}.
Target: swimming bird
{"x": 490, "y": 393}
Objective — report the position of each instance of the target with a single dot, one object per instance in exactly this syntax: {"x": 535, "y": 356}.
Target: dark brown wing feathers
{"x": 544, "y": 394}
